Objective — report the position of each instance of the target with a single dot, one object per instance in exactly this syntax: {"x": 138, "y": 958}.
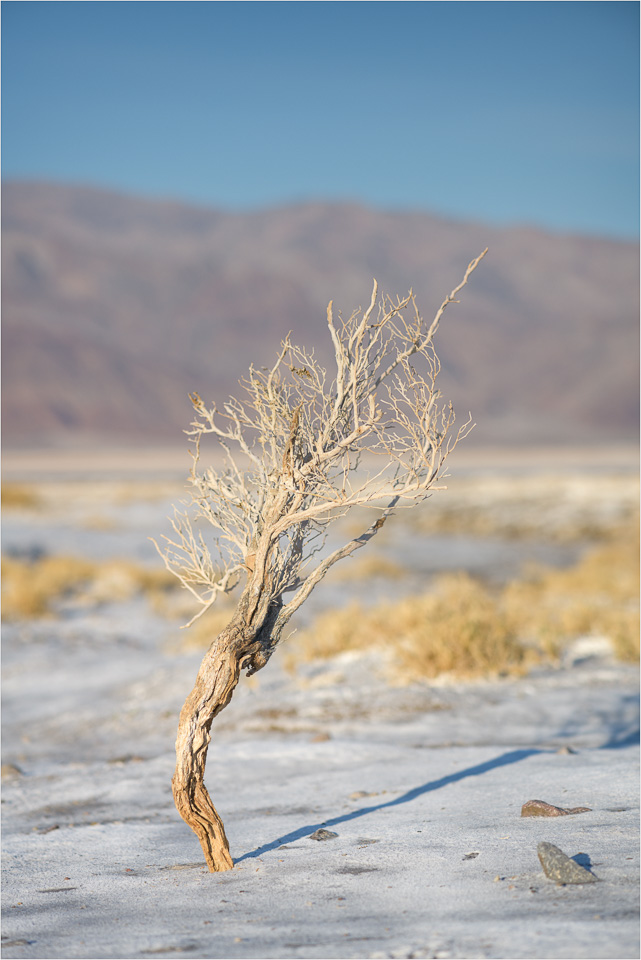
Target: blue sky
{"x": 506, "y": 112}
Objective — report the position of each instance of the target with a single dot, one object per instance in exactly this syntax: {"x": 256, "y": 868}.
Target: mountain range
{"x": 115, "y": 307}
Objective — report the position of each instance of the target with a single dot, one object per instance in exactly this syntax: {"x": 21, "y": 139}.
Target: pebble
{"x": 559, "y": 867}
{"x": 539, "y": 808}
{"x": 322, "y": 834}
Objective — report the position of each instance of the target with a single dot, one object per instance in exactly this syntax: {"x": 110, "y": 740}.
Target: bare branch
{"x": 301, "y": 449}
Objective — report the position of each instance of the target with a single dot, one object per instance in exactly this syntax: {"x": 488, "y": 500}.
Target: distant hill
{"x": 115, "y": 307}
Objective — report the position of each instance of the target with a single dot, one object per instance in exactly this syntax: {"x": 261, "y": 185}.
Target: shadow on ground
{"x": 513, "y": 756}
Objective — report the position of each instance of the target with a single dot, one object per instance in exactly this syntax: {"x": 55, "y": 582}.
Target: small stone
{"x": 539, "y": 808}
{"x": 560, "y": 868}
{"x": 566, "y": 750}
{"x": 471, "y": 856}
{"x": 322, "y": 834}
{"x": 320, "y": 738}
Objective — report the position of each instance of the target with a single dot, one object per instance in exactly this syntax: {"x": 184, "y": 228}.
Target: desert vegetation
{"x": 540, "y": 611}
{"x": 599, "y": 596}
{"x": 36, "y": 588}
{"x": 466, "y": 628}
{"x": 18, "y": 496}
{"x": 303, "y": 447}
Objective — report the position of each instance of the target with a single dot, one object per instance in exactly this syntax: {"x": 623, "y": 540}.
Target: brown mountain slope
{"x": 115, "y": 307}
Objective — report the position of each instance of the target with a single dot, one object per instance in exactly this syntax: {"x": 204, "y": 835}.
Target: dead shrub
{"x": 459, "y": 629}
{"x": 465, "y": 629}
{"x": 32, "y": 590}
{"x": 598, "y": 596}
{"x": 18, "y": 497}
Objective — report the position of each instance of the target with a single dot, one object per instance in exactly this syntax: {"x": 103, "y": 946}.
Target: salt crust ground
{"x": 98, "y": 864}
{"x": 431, "y": 860}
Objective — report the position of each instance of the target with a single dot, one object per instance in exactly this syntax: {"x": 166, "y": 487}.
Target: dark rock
{"x": 539, "y": 808}
{"x": 322, "y": 835}
{"x": 560, "y": 868}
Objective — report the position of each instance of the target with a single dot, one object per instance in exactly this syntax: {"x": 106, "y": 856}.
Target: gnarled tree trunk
{"x": 239, "y": 646}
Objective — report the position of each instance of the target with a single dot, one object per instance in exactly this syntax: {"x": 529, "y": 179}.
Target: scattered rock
{"x": 365, "y": 841}
{"x": 470, "y": 856}
{"x": 322, "y": 834}
{"x": 559, "y": 867}
{"x": 566, "y": 750}
{"x": 539, "y": 808}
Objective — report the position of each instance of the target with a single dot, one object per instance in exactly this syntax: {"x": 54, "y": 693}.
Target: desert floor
{"x": 422, "y": 783}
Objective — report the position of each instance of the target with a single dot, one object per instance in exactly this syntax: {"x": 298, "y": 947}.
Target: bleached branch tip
{"x": 303, "y": 446}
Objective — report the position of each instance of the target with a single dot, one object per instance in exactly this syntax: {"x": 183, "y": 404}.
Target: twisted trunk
{"x": 239, "y": 646}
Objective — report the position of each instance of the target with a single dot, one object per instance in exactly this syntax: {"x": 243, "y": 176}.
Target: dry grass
{"x": 35, "y": 589}
{"x": 465, "y": 629}
{"x": 30, "y": 589}
{"x": 459, "y": 630}
{"x": 17, "y": 496}
{"x": 96, "y": 504}
{"x": 599, "y": 596}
